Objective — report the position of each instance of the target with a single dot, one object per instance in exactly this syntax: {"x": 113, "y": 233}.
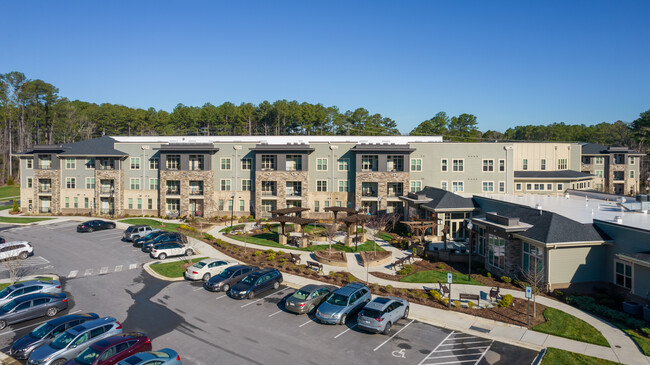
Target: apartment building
{"x": 252, "y": 175}
{"x": 616, "y": 169}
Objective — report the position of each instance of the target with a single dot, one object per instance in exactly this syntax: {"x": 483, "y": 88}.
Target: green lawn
{"x": 7, "y": 192}
{"x": 641, "y": 341}
{"x": 172, "y": 269}
{"x": 5, "y": 207}
{"x": 270, "y": 239}
{"x": 45, "y": 278}
{"x": 22, "y": 219}
{"x": 384, "y": 236}
{"x": 153, "y": 223}
{"x": 433, "y": 276}
{"x": 556, "y": 356}
{"x": 565, "y": 325}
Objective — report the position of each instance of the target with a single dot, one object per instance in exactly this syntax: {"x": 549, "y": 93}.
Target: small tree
{"x": 15, "y": 268}
{"x": 330, "y": 232}
{"x": 15, "y": 207}
{"x": 189, "y": 247}
{"x": 10, "y": 181}
{"x": 534, "y": 277}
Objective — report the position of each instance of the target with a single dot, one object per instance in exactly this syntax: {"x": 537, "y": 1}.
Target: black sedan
{"x": 95, "y": 225}
{"x": 138, "y": 242}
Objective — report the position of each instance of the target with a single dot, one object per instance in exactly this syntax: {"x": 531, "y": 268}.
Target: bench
{"x": 476, "y": 297}
{"x": 444, "y": 289}
{"x": 398, "y": 262}
{"x": 294, "y": 258}
{"x": 494, "y": 293}
{"x": 314, "y": 265}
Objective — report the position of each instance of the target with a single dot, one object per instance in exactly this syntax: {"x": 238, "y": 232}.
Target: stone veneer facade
{"x": 55, "y": 178}
{"x": 185, "y": 176}
{"x": 117, "y": 176}
{"x": 280, "y": 178}
{"x": 382, "y": 179}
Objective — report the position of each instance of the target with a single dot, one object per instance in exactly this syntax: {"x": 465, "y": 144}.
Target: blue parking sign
{"x": 449, "y": 277}
{"x": 529, "y": 292}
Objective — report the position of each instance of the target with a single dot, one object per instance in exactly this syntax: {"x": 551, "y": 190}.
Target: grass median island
{"x": 384, "y": 236}
{"x": 271, "y": 240}
{"x": 433, "y": 276}
{"x": 174, "y": 269}
{"x": 641, "y": 341}
{"x": 561, "y": 324}
{"x": 556, "y": 356}
{"x": 229, "y": 229}
{"x": 22, "y": 219}
{"x": 153, "y": 223}
{"x": 9, "y": 192}
{"x": 45, "y": 278}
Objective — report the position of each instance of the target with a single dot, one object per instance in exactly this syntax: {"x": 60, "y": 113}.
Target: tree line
{"x": 33, "y": 112}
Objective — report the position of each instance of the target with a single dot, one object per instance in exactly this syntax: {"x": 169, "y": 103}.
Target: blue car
{"x": 343, "y": 303}
{"x": 160, "y": 357}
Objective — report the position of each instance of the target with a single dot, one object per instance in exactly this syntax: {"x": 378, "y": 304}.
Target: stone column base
{"x": 349, "y": 242}
{"x": 296, "y": 228}
{"x": 363, "y": 238}
{"x": 303, "y": 242}
{"x": 282, "y": 239}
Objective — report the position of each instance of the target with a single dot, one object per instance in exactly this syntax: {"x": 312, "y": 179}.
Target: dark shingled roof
{"x": 562, "y": 174}
{"x": 445, "y": 200}
{"x": 593, "y": 149}
{"x": 548, "y": 227}
{"x": 102, "y": 146}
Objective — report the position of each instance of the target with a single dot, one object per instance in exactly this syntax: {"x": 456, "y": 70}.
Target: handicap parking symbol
{"x": 401, "y": 353}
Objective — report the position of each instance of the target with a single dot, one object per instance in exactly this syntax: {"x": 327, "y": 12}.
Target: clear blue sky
{"x": 507, "y": 62}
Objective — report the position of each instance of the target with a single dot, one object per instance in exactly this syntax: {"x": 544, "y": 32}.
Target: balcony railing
{"x": 294, "y": 193}
{"x": 45, "y": 210}
{"x": 105, "y": 189}
{"x": 196, "y": 192}
{"x": 106, "y": 167}
{"x": 45, "y": 189}
{"x": 173, "y": 191}
{"x": 369, "y": 194}
{"x": 395, "y": 193}
{"x": 269, "y": 193}
{"x": 44, "y": 167}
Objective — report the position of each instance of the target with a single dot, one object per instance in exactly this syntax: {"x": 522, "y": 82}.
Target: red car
{"x": 113, "y": 349}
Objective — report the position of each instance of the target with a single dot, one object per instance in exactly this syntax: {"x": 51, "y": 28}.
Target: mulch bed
{"x": 335, "y": 256}
{"x": 371, "y": 256}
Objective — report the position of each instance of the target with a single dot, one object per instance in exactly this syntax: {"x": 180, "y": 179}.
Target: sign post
{"x": 449, "y": 280}
{"x": 529, "y": 294}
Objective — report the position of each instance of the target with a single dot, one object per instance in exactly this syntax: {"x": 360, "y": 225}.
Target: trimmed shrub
{"x": 389, "y": 287}
{"x": 270, "y": 251}
{"x": 559, "y": 294}
{"x": 441, "y": 266}
{"x": 187, "y": 228}
{"x": 489, "y": 274}
{"x": 444, "y": 301}
{"x": 351, "y": 279}
{"x": 10, "y": 181}
{"x": 270, "y": 257}
{"x": 471, "y": 305}
{"x": 506, "y": 279}
{"x": 456, "y": 303}
{"x": 257, "y": 253}
{"x": 506, "y": 301}
{"x": 406, "y": 270}
{"x": 280, "y": 253}
{"x": 15, "y": 206}
{"x": 209, "y": 237}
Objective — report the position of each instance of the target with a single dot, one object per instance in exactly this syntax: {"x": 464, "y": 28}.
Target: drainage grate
{"x": 480, "y": 329}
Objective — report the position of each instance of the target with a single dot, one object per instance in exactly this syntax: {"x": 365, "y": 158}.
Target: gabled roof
{"x": 561, "y": 174}
{"x": 442, "y": 200}
{"x": 547, "y": 227}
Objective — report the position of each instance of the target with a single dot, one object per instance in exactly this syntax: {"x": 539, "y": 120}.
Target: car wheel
{"x": 387, "y": 328}
{"x": 225, "y": 288}
{"x": 276, "y": 285}
{"x": 343, "y": 319}
{"x": 113, "y": 226}
{"x": 23, "y": 255}
{"x": 251, "y": 295}
{"x": 90, "y": 230}
{"x": 162, "y": 256}
{"x": 52, "y": 311}
{"x": 206, "y": 277}
{"x": 59, "y": 362}
{"x": 3, "y": 324}
{"x": 406, "y": 312}
{"x": 189, "y": 252}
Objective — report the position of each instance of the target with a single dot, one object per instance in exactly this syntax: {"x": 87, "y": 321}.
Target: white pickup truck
{"x": 134, "y": 232}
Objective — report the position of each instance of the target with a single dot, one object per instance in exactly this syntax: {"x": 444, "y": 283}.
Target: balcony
{"x": 105, "y": 189}
{"x": 173, "y": 191}
{"x": 44, "y": 167}
{"x": 47, "y": 189}
{"x": 294, "y": 193}
{"x": 395, "y": 193}
{"x": 196, "y": 192}
{"x": 369, "y": 193}
{"x": 269, "y": 193}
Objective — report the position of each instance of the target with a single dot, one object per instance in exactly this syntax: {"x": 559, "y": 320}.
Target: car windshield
{"x": 9, "y": 306}
{"x": 372, "y": 313}
{"x": 88, "y": 356}
{"x": 338, "y": 299}
{"x": 62, "y": 340}
{"x": 226, "y": 274}
{"x": 301, "y": 294}
{"x": 151, "y": 235}
{"x": 199, "y": 264}
{"x": 4, "y": 292}
{"x": 130, "y": 229}
{"x": 42, "y": 330}
{"x": 250, "y": 279}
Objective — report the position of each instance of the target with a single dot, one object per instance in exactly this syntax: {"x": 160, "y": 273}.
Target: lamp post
{"x": 378, "y": 228}
{"x": 469, "y": 250}
{"x": 232, "y": 208}
{"x": 356, "y": 228}
{"x": 112, "y": 200}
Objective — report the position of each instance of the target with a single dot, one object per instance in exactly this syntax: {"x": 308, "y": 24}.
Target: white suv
{"x": 20, "y": 249}
{"x": 164, "y": 250}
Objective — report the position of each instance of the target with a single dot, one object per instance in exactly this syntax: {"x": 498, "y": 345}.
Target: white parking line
{"x": 88, "y": 272}
{"x": 434, "y": 350}
{"x": 351, "y": 327}
{"x": 464, "y": 348}
{"x": 306, "y": 323}
{"x": 73, "y": 273}
{"x": 255, "y": 301}
{"x": 32, "y": 325}
{"x": 451, "y": 362}
{"x": 118, "y": 268}
{"x": 484, "y": 352}
{"x": 465, "y": 343}
{"x": 133, "y": 266}
{"x": 199, "y": 288}
{"x": 103, "y": 270}
{"x": 391, "y": 337}
{"x": 225, "y": 295}
{"x": 472, "y": 354}
{"x": 271, "y": 315}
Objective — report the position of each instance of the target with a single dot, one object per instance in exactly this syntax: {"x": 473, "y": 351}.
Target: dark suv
{"x": 163, "y": 238}
{"x": 256, "y": 282}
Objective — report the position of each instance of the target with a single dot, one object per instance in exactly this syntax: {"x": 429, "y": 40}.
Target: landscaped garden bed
{"x": 174, "y": 269}
{"x": 371, "y": 258}
{"x": 334, "y": 258}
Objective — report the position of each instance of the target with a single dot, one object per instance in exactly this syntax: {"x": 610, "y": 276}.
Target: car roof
{"x": 237, "y": 267}
{"x": 350, "y": 288}
{"x": 13, "y": 243}
{"x": 380, "y": 303}
{"x": 27, "y": 297}
{"x": 310, "y": 287}
{"x": 72, "y": 317}
{"x": 139, "y": 225}
{"x": 91, "y": 324}
{"x": 114, "y": 340}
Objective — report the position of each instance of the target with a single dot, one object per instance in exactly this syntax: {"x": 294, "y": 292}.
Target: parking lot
{"x": 104, "y": 275}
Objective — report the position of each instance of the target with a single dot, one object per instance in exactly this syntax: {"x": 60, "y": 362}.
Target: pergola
{"x": 284, "y": 219}
{"x": 336, "y": 210}
{"x": 355, "y": 219}
{"x": 284, "y": 211}
{"x": 419, "y": 227}
{"x": 302, "y": 222}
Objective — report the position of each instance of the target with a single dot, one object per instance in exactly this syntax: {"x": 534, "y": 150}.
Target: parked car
{"x": 207, "y": 268}
{"x": 162, "y": 251}
{"x": 72, "y": 342}
{"x": 2, "y": 240}
{"x": 167, "y": 237}
{"x": 28, "y": 287}
{"x": 16, "y": 249}
{"x": 32, "y": 306}
{"x": 229, "y": 277}
{"x": 23, "y": 347}
{"x": 95, "y": 225}
{"x": 380, "y": 314}
{"x": 344, "y": 302}
{"x": 160, "y": 357}
{"x": 138, "y": 242}
{"x": 112, "y": 349}
{"x": 137, "y": 231}
{"x": 255, "y": 283}
{"x": 307, "y": 298}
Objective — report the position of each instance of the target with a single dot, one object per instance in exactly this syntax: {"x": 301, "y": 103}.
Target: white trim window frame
{"x": 345, "y": 163}
{"x": 518, "y": 186}
{"x": 90, "y": 183}
{"x": 444, "y": 165}
{"x": 246, "y": 164}
{"x": 225, "y": 185}
{"x": 153, "y": 183}
{"x": 90, "y": 163}
{"x": 345, "y": 187}
{"x": 70, "y": 163}
{"x": 502, "y": 186}
{"x": 458, "y": 165}
{"x": 415, "y": 186}
{"x": 225, "y": 161}
{"x": 625, "y": 276}
{"x": 134, "y": 163}
{"x": 416, "y": 165}
{"x": 322, "y": 164}
{"x": 134, "y": 183}
{"x": 487, "y": 186}
{"x": 154, "y": 164}
{"x": 70, "y": 183}
{"x": 457, "y": 186}
{"x": 444, "y": 185}
{"x": 321, "y": 186}
{"x": 29, "y": 163}
{"x": 502, "y": 165}
{"x": 488, "y": 165}
{"x": 246, "y": 184}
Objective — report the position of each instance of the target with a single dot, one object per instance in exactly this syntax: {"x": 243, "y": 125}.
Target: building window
{"x": 533, "y": 260}
{"x": 90, "y": 163}
{"x": 242, "y": 205}
{"x": 518, "y": 186}
{"x": 135, "y": 183}
{"x": 525, "y": 164}
{"x": 196, "y": 162}
{"x": 139, "y": 203}
{"x": 246, "y": 185}
{"x": 529, "y": 187}
{"x": 90, "y": 183}
{"x": 369, "y": 163}
{"x": 599, "y": 160}
{"x": 67, "y": 202}
{"x": 150, "y": 204}
{"x": 415, "y": 186}
{"x": 220, "y": 206}
{"x": 225, "y": 164}
{"x": 130, "y": 203}
{"x": 395, "y": 189}
{"x": 30, "y": 182}
{"x": 268, "y": 162}
{"x": 44, "y": 162}
{"x": 75, "y": 202}
{"x": 599, "y": 173}
{"x": 343, "y": 186}
{"x": 293, "y": 188}
{"x": 344, "y": 164}
{"x": 502, "y": 186}
{"x": 488, "y": 186}
{"x": 230, "y": 205}
{"x": 154, "y": 164}
{"x": 246, "y": 164}
{"x": 70, "y": 163}
{"x": 30, "y": 163}
{"x": 543, "y": 165}
{"x": 86, "y": 203}
{"x": 496, "y": 251}
{"x": 549, "y": 187}
{"x": 153, "y": 183}
{"x": 488, "y": 165}
{"x": 443, "y": 185}
{"x": 631, "y": 174}
{"x": 70, "y": 183}
{"x": 326, "y": 204}
{"x": 225, "y": 184}
{"x": 632, "y": 159}
{"x": 338, "y": 203}
{"x": 294, "y": 163}
{"x": 135, "y": 163}
{"x": 174, "y": 205}
{"x": 321, "y": 164}
{"x": 457, "y": 165}
{"x": 443, "y": 165}
{"x": 623, "y": 275}
{"x": 416, "y": 164}
{"x": 395, "y": 163}
{"x": 268, "y": 188}
{"x": 502, "y": 165}
{"x": 316, "y": 206}
{"x": 321, "y": 185}
{"x": 173, "y": 162}
{"x": 560, "y": 187}
{"x": 562, "y": 164}
{"x": 457, "y": 186}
